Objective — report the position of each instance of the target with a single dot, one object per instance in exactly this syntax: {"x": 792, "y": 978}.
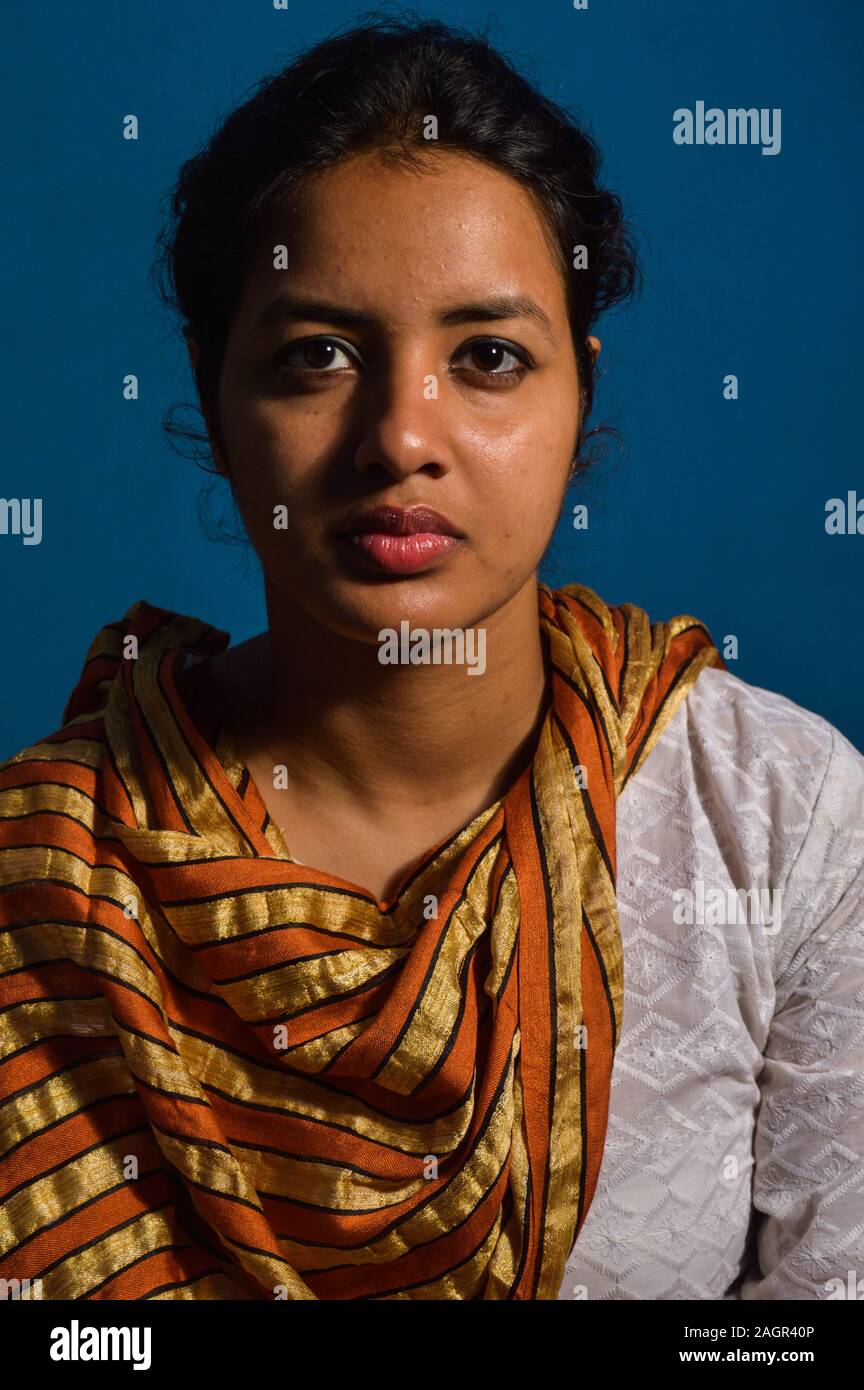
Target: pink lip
{"x": 402, "y": 554}
{"x": 401, "y": 540}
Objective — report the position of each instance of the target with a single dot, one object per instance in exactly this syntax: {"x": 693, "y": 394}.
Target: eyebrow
{"x": 499, "y": 306}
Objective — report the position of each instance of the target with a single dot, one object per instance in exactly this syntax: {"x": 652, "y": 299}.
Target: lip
{"x": 401, "y": 540}
{"x": 395, "y": 554}
{"x": 400, "y": 521}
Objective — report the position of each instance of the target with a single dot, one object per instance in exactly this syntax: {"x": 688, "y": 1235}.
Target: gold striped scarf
{"x": 224, "y": 1074}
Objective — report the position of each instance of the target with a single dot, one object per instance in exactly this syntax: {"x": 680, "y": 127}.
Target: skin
{"x": 386, "y": 761}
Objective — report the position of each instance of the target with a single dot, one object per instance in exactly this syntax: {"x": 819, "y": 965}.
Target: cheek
{"x": 272, "y": 457}
{"x": 523, "y": 472}
{"x": 254, "y": 432}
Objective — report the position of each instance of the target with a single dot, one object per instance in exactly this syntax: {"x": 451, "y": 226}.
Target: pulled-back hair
{"x": 371, "y": 88}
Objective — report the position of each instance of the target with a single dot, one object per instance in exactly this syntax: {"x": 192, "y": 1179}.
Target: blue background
{"x": 752, "y": 263}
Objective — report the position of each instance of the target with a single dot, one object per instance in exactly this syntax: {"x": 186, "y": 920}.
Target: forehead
{"x": 412, "y": 236}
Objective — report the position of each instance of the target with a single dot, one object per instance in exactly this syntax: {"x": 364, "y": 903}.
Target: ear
{"x": 595, "y": 345}
{"x": 194, "y": 349}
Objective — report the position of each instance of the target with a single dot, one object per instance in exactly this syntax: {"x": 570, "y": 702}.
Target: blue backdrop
{"x": 752, "y": 265}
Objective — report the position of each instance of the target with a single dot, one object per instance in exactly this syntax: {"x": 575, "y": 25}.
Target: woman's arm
{"x": 808, "y": 1184}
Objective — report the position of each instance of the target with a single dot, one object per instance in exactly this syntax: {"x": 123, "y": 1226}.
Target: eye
{"x": 497, "y": 358}
{"x": 313, "y": 355}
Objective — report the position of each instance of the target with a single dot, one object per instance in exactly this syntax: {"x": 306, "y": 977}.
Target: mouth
{"x": 401, "y": 540}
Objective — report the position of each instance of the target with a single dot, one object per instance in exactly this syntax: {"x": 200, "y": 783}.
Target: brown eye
{"x": 311, "y": 355}
{"x": 495, "y": 359}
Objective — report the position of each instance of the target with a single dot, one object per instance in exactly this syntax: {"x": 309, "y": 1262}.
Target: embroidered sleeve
{"x": 808, "y": 1180}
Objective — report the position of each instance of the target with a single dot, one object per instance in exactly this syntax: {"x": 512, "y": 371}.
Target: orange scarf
{"x": 228, "y": 1075}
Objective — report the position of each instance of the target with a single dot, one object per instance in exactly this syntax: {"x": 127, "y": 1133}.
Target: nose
{"x": 403, "y": 420}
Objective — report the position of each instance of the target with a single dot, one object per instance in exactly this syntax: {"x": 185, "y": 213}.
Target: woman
{"x": 320, "y": 948}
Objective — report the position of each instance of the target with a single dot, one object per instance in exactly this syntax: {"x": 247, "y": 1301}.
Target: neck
{"x": 384, "y": 736}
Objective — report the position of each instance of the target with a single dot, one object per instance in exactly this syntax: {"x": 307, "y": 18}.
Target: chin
{"x": 361, "y": 610}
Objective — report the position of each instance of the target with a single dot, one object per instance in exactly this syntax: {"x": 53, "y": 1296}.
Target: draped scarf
{"x": 226, "y": 1074}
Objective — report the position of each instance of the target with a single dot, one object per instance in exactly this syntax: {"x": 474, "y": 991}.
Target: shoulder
{"x": 745, "y": 752}
{"x": 810, "y": 775}
{"x": 68, "y": 771}
{"x": 773, "y": 789}
{"x": 53, "y": 790}
{"x": 762, "y": 735}
{"x": 739, "y": 707}
{"x": 55, "y": 780}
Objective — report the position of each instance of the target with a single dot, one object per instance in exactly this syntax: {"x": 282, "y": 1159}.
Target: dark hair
{"x": 370, "y": 88}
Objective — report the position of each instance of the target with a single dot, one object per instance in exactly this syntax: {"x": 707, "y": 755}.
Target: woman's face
{"x": 402, "y": 379}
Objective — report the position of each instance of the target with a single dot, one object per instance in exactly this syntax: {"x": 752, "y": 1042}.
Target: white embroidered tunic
{"x": 734, "y": 1161}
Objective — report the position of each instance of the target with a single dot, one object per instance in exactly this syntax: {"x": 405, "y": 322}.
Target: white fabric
{"x": 741, "y": 1046}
